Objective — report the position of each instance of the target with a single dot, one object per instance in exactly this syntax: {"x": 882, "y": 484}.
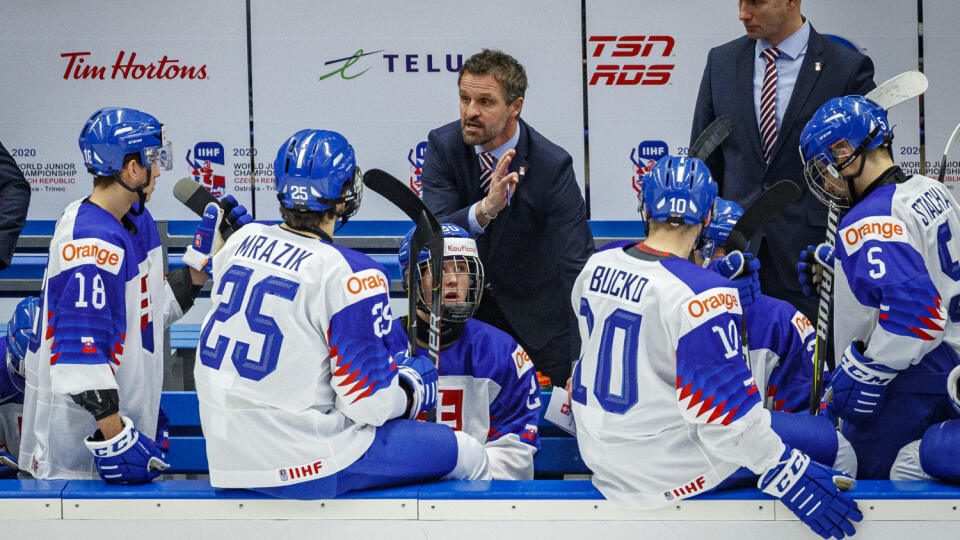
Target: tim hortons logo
{"x": 627, "y": 52}
{"x": 127, "y": 67}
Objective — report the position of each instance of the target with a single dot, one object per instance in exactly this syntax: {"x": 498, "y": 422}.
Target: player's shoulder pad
{"x": 93, "y": 241}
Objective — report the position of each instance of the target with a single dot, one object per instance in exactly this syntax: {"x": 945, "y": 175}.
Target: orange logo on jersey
{"x": 521, "y": 360}
{"x": 365, "y": 284}
{"x": 873, "y": 228}
{"x": 91, "y": 251}
{"x": 726, "y": 301}
{"x": 802, "y": 324}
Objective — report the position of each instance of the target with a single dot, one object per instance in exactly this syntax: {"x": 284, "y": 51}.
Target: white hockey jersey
{"x": 104, "y": 306}
{"x": 664, "y": 403}
{"x": 293, "y": 369}
{"x": 898, "y": 273}
{"x": 488, "y": 388}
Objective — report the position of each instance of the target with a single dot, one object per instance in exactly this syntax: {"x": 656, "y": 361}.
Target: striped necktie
{"x": 768, "y": 102}
{"x": 487, "y": 162}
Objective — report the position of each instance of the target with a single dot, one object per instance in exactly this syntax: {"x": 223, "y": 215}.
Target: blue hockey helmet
{"x": 460, "y": 249}
{"x": 715, "y": 234}
{"x": 114, "y": 132}
{"x": 679, "y": 190}
{"x": 317, "y": 169}
{"x": 841, "y": 130}
{"x": 19, "y": 333}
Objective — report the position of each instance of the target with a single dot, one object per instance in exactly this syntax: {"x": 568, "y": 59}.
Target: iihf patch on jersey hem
{"x": 698, "y": 485}
{"x": 95, "y": 251}
{"x": 364, "y": 284}
{"x": 299, "y": 472}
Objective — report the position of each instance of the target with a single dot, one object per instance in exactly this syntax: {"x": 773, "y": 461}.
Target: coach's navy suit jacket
{"x": 14, "y": 200}
{"x": 829, "y": 70}
{"x": 535, "y": 248}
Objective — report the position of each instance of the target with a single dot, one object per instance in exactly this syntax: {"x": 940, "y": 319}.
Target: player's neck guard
{"x": 893, "y": 175}
{"x": 450, "y": 332}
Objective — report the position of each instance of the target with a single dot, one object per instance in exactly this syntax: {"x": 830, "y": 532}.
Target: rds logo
{"x": 643, "y": 157}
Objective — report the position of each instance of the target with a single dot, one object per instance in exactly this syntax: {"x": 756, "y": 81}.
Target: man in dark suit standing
{"x": 14, "y": 200}
{"x": 770, "y": 82}
{"x": 495, "y": 176}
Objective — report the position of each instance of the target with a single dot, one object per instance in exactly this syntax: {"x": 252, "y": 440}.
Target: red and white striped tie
{"x": 486, "y": 169}
{"x": 768, "y": 102}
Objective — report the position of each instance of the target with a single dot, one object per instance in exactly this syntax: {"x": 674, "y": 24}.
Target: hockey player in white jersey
{"x": 13, "y": 348}
{"x": 299, "y": 394}
{"x": 781, "y": 343}
{"x": 664, "y": 404}
{"x": 487, "y": 383}
{"x": 94, "y": 372}
{"x": 896, "y": 283}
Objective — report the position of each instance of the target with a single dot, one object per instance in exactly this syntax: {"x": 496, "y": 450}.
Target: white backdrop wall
{"x": 384, "y": 74}
{"x": 942, "y": 65}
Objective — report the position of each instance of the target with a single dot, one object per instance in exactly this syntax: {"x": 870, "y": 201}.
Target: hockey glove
{"x": 418, "y": 378}
{"x": 206, "y": 240}
{"x": 8, "y": 466}
{"x": 128, "y": 458}
{"x": 953, "y": 387}
{"x": 813, "y": 261}
{"x": 812, "y": 492}
{"x": 858, "y": 386}
{"x": 162, "y": 440}
{"x": 237, "y": 215}
{"x": 741, "y": 268}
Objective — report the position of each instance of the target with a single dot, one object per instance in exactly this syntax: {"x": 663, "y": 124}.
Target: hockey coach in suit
{"x": 770, "y": 82}
{"x": 534, "y": 241}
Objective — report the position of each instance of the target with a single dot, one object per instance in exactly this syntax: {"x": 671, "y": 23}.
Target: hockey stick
{"x": 767, "y": 205}
{"x": 431, "y": 235}
{"x": 711, "y": 137}
{"x": 946, "y": 153}
{"x": 887, "y": 94}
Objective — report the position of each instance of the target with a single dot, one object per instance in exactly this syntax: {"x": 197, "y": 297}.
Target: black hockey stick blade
{"x": 711, "y": 137}
{"x": 429, "y": 234}
{"x": 946, "y": 153}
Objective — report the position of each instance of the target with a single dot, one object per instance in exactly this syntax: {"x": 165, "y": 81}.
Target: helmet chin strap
{"x": 857, "y": 152}
{"x": 141, "y": 195}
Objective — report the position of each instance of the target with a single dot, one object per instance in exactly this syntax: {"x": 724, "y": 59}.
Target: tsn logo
{"x": 631, "y": 73}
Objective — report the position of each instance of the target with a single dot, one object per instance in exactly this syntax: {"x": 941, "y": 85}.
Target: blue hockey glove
{"x": 237, "y": 215}
{"x": 953, "y": 387}
{"x": 19, "y": 333}
{"x": 8, "y": 466}
{"x": 741, "y": 268}
{"x": 206, "y": 240}
{"x": 129, "y": 458}
{"x": 813, "y": 260}
{"x": 858, "y": 386}
{"x": 812, "y": 492}
{"x": 418, "y": 377}
{"x": 162, "y": 440}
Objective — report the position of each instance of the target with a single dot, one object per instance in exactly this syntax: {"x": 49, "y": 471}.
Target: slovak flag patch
{"x": 88, "y": 346}
{"x": 529, "y": 432}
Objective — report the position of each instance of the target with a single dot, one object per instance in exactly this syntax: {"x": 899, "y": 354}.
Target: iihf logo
{"x": 415, "y": 157}
{"x": 643, "y": 157}
{"x": 205, "y": 156}
{"x": 283, "y": 475}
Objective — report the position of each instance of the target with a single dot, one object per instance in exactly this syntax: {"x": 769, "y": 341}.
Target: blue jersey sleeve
{"x": 784, "y": 340}
{"x": 516, "y": 409}
{"x": 887, "y": 273}
{"x": 361, "y": 349}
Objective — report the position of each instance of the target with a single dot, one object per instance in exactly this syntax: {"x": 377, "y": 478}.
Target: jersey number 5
{"x": 258, "y": 323}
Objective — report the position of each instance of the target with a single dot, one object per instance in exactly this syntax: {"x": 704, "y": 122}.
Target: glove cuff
{"x": 411, "y": 383}
{"x": 194, "y": 259}
{"x": 953, "y": 387}
{"x": 783, "y": 476}
{"x": 118, "y": 444}
{"x": 863, "y": 370}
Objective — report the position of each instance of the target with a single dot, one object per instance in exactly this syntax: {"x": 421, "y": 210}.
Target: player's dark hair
{"x": 504, "y": 68}
{"x": 105, "y": 181}
{"x": 307, "y": 220}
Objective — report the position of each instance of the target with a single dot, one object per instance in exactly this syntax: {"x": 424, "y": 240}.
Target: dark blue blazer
{"x": 535, "y": 248}
{"x": 14, "y": 200}
{"x": 738, "y": 165}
